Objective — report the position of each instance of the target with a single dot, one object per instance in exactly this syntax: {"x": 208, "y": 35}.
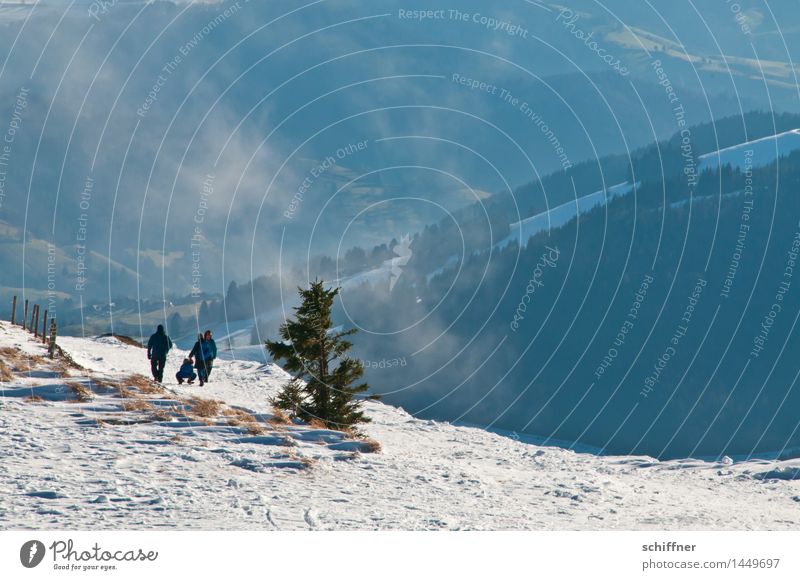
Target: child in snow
{"x": 186, "y": 372}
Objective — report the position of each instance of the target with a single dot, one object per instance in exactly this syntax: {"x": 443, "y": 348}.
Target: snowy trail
{"x": 62, "y": 469}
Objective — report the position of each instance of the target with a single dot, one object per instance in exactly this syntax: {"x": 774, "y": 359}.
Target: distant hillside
{"x": 547, "y": 345}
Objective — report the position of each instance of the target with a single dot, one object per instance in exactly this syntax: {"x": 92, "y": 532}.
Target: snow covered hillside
{"x": 755, "y": 153}
{"x": 90, "y": 445}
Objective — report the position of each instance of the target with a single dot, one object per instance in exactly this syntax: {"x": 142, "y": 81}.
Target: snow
{"x": 451, "y": 262}
{"x": 787, "y": 473}
{"x": 560, "y": 215}
{"x": 95, "y": 465}
{"x": 764, "y": 151}
{"x": 698, "y": 199}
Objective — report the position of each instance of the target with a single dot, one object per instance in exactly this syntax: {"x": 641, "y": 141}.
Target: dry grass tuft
{"x": 206, "y": 407}
{"x": 81, "y": 392}
{"x": 372, "y": 446}
{"x": 317, "y": 424}
{"x": 102, "y": 383}
{"x": 254, "y": 429}
{"x": 68, "y": 360}
{"x": 138, "y": 405}
{"x": 34, "y": 399}
{"x": 161, "y": 415}
{"x": 307, "y": 462}
{"x": 8, "y": 353}
{"x": 142, "y": 384}
{"x": 22, "y": 366}
{"x": 351, "y": 432}
{"x": 240, "y": 415}
{"x": 6, "y": 376}
{"x": 241, "y": 418}
{"x": 61, "y": 369}
{"x": 20, "y": 362}
{"x": 279, "y": 417}
{"x": 151, "y": 389}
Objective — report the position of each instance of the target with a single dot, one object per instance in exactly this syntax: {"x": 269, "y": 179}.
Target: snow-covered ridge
{"x": 560, "y": 215}
{"x": 761, "y": 152}
{"x": 92, "y": 464}
{"x": 755, "y": 153}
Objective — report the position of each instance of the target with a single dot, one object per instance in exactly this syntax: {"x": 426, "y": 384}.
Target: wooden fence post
{"x": 25, "y": 315}
{"x": 53, "y": 332}
{"x": 44, "y": 327}
{"x": 35, "y": 321}
{"x": 14, "y": 311}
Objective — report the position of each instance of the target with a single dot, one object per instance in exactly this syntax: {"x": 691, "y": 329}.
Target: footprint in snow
{"x": 46, "y": 494}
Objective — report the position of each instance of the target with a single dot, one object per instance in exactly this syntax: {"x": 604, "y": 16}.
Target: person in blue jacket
{"x": 186, "y": 372}
{"x": 157, "y": 348}
{"x": 204, "y": 352}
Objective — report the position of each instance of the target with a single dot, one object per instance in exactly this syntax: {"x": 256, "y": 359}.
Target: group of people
{"x": 201, "y": 357}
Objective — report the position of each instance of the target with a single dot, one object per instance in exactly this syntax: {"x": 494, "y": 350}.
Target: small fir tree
{"x": 309, "y": 350}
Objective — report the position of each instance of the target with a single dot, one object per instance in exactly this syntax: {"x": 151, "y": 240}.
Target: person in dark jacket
{"x": 186, "y": 372}
{"x": 157, "y": 348}
{"x": 204, "y": 352}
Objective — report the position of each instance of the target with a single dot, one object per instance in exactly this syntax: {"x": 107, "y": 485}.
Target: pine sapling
{"x": 324, "y": 380}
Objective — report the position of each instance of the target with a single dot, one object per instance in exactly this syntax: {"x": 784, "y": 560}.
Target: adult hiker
{"x": 157, "y": 348}
{"x": 204, "y": 352}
